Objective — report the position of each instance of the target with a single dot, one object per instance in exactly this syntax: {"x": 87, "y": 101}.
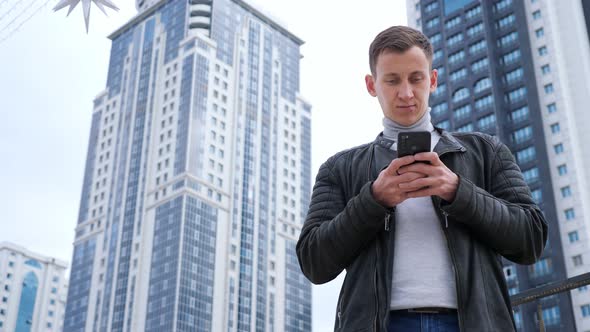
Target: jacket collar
{"x": 447, "y": 142}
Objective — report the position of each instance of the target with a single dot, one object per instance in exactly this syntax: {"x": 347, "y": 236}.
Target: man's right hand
{"x": 385, "y": 188}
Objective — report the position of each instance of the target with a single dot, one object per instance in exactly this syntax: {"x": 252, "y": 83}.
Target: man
{"x": 420, "y": 237}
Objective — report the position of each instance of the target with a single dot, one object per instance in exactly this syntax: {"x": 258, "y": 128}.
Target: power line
{"x": 14, "y": 30}
{"x": 10, "y": 9}
{"x": 17, "y": 16}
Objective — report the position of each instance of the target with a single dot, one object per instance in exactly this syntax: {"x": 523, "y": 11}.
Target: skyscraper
{"x": 197, "y": 177}
{"x": 519, "y": 69}
{"x": 32, "y": 290}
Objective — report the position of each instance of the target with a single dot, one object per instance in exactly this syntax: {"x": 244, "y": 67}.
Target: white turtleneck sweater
{"x": 423, "y": 273}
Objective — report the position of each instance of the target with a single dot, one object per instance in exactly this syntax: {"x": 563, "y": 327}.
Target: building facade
{"x": 519, "y": 69}
{"x": 32, "y": 290}
{"x": 197, "y": 178}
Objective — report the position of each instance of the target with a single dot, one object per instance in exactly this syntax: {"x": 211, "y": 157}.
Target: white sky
{"x": 50, "y": 71}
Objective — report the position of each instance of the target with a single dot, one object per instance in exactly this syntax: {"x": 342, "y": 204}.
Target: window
{"x": 475, "y": 29}
{"x": 573, "y": 236}
{"x": 551, "y": 316}
{"x": 431, "y": 6}
{"x": 437, "y": 55}
{"x": 555, "y": 128}
{"x": 558, "y": 148}
{"x": 482, "y": 84}
{"x": 435, "y": 38}
{"x": 577, "y": 262}
{"x": 500, "y": 5}
{"x": 477, "y": 47}
{"x": 551, "y": 108}
{"x": 519, "y": 114}
{"x": 479, "y": 65}
{"x": 513, "y": 76}
{"x": 473, "y": 12}
{"x": 517, "y": 318}
{"x": 440, "y": 109}
{"x": 562, "y": 169}
{"x": 508, "y": 38}
{"x": 453, "y": 22}
{"x": 526, "y": 154}
{"x": 457, "y": 56}
{"x": 465, "y": 128}
{"x": 540, "y": 268}
{"x": 585, "y": 310}
{"x": 505, "y": 21}
{"x": 583, "y": 288}
{"x": 487, "y": 121}
{"x": 531, "y": 175}
{"x": 446, "y": 125}
{"x": 441, "y": 89}
{"x": 462, "y": 112}
{"x": 454, "y": 39}
{"x": 542, "y": 50}
{"x": 515, "y": 95}
{"x": 569, "y": 214}
{"x": 536, "y": 14}
{"x": 545, "y": 69}
{"x": 460, "y": 94}
{"x": 539, "y": 32}
{"x": 484, "y": 102}
{"x": 566, "y": 191}
{"x": 511, "y": 57}
{"x": 458, "y": 74}
{"x": 537, "y": 196}
{"x": 433, "y": 22}
{"x": 548, "y": 88}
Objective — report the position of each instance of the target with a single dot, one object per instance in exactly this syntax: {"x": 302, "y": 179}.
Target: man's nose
{"x": 405, "y": 91}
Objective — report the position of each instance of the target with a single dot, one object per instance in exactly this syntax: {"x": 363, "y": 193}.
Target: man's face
{"x": 402, "y": 84}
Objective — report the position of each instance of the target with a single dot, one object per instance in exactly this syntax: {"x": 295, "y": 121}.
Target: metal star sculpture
{"x": 85, "y": 7}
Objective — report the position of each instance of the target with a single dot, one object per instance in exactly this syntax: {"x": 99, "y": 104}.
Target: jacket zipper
{"x": 446, "y": 215}
{"x": 375, "y": 292}
{"x": 390, "y": 212}
{"x": 453, "y": 259}
{"x": 451, "y": 252}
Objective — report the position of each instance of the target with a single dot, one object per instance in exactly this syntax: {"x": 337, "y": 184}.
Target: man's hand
{"x": 436, "y": 179}
{"x": 387, "y": 189}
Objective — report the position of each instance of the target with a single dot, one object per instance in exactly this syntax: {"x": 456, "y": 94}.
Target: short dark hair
{"x": 398, "y": 39}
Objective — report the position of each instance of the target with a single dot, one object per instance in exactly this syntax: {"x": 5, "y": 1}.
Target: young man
{"x": 420, "y": 241}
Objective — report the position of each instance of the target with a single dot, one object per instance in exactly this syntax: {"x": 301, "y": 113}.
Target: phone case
{"x": 412, "y": 142}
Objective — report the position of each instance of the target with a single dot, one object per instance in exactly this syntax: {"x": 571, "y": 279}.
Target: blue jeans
{"x": 400, "y": 321}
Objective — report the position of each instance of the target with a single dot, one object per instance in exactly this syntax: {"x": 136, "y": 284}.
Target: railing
{"x": 553, "y": 288}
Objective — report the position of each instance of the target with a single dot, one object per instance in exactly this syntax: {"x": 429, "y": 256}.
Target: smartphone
{"x": 412, "y": 142}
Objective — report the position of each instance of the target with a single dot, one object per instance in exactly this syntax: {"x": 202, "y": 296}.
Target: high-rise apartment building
{"x": 520, "y": 69}
{"x": 32, "y": 290}
{"x": 197, "y": 177}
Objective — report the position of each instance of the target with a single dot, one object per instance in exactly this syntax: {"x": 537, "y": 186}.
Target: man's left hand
{"x": 438, "y": 181}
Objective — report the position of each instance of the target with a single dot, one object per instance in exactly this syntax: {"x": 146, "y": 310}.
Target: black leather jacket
{"x": 493, "y": 214}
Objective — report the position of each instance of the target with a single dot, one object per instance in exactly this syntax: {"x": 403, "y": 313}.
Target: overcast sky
{"x": 50, "y": 71}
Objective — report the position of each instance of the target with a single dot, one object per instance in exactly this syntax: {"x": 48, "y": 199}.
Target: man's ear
{"x": 370, "y": 83}
{"x": 433, "y": 80}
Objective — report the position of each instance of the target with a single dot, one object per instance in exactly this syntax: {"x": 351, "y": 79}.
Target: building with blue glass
{"x": 32, "y": 290}
{"x": 197, "y": 178}
{"x": 520, "y": 69}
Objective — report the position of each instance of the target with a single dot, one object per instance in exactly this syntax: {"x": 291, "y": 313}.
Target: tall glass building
{"x": 520, "y": 69}
{"x": 197, "y": 177}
